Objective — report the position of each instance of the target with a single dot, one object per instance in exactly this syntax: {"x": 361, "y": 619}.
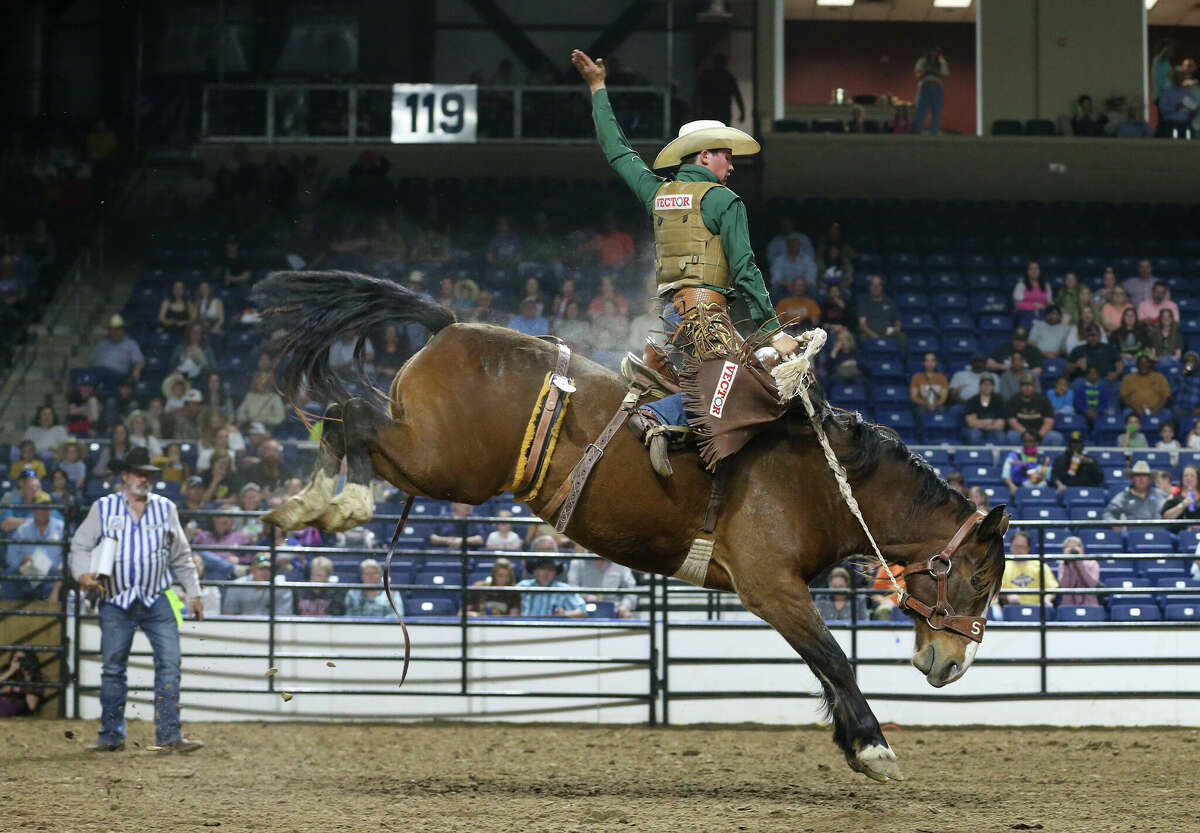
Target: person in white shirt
{"x": 503, "y": 537}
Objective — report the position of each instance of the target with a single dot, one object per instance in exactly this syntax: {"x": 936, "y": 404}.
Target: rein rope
{"x": 793, "y": 378}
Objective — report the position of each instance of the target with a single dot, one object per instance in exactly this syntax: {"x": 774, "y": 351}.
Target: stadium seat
{"x": 955, "y": 321}
{"x": 1139, "y": 612}
{"x": 1073, "y": 496}
{"x": 601, "y": 610}
{"x": 1182, "y": 612}
{"x": 938, "y": 427}
{"x": 936, "y": 457}
{"x": 1006, "y": 127}
{"x": 1081, "y": 613}
{"x": 1027, "y": 613}
{"x": 425, "y": 605}
{"x": 1143, "y": 540}
{"x": 1040, "y": 496}
{"x": 1097, "y": 541}
{"x": 1043, "y": 513}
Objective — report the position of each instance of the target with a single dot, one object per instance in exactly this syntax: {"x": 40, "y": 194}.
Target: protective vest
{"x": 686, "y": 252}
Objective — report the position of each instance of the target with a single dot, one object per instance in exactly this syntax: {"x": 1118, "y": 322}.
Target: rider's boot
{"x": 649, "y": 430}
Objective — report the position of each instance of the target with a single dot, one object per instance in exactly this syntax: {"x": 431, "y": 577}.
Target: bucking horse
{"x": 455, "y": 423}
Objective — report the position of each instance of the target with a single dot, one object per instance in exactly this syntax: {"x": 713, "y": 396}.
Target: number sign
{"x": 434, "y": 113}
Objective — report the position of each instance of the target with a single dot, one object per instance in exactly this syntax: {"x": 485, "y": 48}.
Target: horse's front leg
{"x": 788, "y": 606}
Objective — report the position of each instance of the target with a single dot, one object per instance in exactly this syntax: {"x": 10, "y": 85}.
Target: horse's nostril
{"x": 952, "y": 670}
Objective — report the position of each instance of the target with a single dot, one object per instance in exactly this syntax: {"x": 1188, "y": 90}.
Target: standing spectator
{"x": 878, "y": 316}
{"x": 1149, "y": 310}
{"x": 1147, "y": 390}
{"x": 797, "y": 308}
{"x": 503, "y": 537}
{"x": 1095, "y": 353}
{"x": 1084, "y": 572}
{"x": 1164, "y": 336}
{"x": 841, "y": 606}
{"x": 262, "y": 403}
{"x": 613, "y": 246}
{"x": 716, "y": 86}
{"x": 208, "y": 309}
{"x": 964, "y": 384}
{"x": 1161, "y": 68}
{"x": 929, "y": 388}
{"x": 1131, "y": 337}
{"x": 321, "y": 601}
{"x": 794, "y": 263}
{"x": 1133, "y": 436}
{"x": 1030, "y": 411}
{"x": 1062, "y": 398}
{"x": 1024, "y": 575}
{"x": 1049, "y": 334}
{"x": 491, "y": 601}
{"x": 1115, "y": 304}
{"x": 1139, "y": 287}
{"x": 1182, "y": 504}
{"x": 1073, "y": 467}
{"x": 1031, "y": 293}
{"x": 45, "y": 432}
{"x": 144, "y": 530}
{"x": 930, "y": 71}
{"x": 1176, "y": 107}
{"x": 545, "y": 574}
{"x": 600, "y": 572}
{"x": 254, "y": 601}
{"x": 450, "y": 532}
{"x": 1137, "y": 502}
{"x": 175, "y": 311}
{"x": 985, "y": 415}
{"x": 1023, "y": 466}
{"x": 371, "y": 601}
{"x": 117, "y": 353}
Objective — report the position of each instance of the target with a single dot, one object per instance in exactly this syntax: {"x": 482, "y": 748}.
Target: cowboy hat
{"x": 138, "y": 459}
{"x": 705, "y": 134}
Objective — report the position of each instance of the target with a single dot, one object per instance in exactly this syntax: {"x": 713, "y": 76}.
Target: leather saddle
{"x": 654, "y": 378}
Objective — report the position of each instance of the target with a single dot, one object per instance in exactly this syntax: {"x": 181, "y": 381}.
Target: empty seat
{"x": 1028, "y": 613}
{"x": 1182, "y": 612}
{"x": 1039, "y": 127}
{"x": 1149, "y": 540}
{"x": 1084, "y": 496}
{"x": 1006, "y": 127}
{"x": 1139, "y": 612}
{"x": 1081, "y": 613}
{"x": 424, "y": 605}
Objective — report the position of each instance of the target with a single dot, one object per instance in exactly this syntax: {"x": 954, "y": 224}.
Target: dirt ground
{"x": 454, "y": 777}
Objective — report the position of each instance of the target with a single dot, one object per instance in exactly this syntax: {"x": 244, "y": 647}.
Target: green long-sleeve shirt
{"x": 722, "y": 211}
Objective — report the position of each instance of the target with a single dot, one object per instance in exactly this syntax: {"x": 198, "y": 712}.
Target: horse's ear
{"x": 995, "y": 524}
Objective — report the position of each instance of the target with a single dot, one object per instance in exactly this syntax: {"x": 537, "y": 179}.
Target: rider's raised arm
{"x": 621, "y": 157}
{"x": 734, "y": 229}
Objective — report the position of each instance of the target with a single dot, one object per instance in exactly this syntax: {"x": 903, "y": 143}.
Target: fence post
{"x": 464, "y": 533}
{"x": 653, "y": 662}
{"x": 271, "y": 610}
{"x": 665, "y": 683}
{"x": 1042, "y": 603}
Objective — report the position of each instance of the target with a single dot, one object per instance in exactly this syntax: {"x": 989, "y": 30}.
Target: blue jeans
{"x": 116, "y": 635}
{"x": 669, "y": 409}
{"x": 1052, "y": 438}
{"x": 929, "y": 100}
{"x": 978, "y": 436}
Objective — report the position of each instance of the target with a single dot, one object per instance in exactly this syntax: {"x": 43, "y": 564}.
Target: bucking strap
{"x": 570, "y": 490}
{"x": 537, "y": 446}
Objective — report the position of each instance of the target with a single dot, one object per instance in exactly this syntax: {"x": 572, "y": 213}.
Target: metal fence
{"x": 666, "y": 610}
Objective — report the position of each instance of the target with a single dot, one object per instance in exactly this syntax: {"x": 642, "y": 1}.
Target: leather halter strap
{"x": 942, "y": 616}
{"x": 572, "y": 488}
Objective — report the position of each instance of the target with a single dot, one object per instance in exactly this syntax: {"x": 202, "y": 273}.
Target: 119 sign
{"x": 434, "y": 113}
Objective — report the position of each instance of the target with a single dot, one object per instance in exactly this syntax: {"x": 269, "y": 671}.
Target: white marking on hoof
{"x": 877, "y": 762}
{"x": 353, "y": 506}
{"x": 305, "y": 506}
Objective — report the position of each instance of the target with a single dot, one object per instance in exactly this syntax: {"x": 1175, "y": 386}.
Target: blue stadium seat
{"x": 960, "y": 344}
{"x": 950, "y": 301}
{"x": 945, "y": 280}
{"x": 905, "y": 281}
{"x": 849, "y": 394}
{"x": 1081, "y": 613}
{"x": 1027, "y": 613}
{"x": 1137, "y": 612}
{"x": 1084, "y": 496}
{"x": 1155, "y": 459}
{"x": 1042, "y": 513}
{"x": 885, "y": 367}
{"x": 1144, "y": 540}
{"x": 889, "y": 394}
{"x": 1065, "y": 423}
{"x": 974, "y": 473}
{"x": 418, "y": 604}
{"x": 601, "y": 610}
{"x": 936, "y": 457}
{"x": 1181, "y": 612}
{"x": 912, "y": 302}
{"x": 978, "y": 260}
{"x": 954, "y": 322}
{"x": 917, "y": 322}
{"x": 1097, "y": 540}
{"x": 984, "y": 302}
{"x": 939, "y": 427}
{"x": 880, "y": 346}
{"x": 899, "y": 419}
{"x": 1108, "y": 423}
{"x": 920, "y": 343}
{"x": 996, "y": 324}
{"x": 1039, "y": 496}
{"x": 974, "y": 456}
{"x": 1087, "y": 512}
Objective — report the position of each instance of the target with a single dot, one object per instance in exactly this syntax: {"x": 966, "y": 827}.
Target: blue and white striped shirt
{"x": 149, "y": 549}
{"x": 544, "y": 604}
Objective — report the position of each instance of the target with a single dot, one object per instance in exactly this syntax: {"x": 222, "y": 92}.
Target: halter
{"x": 941, "y": 616}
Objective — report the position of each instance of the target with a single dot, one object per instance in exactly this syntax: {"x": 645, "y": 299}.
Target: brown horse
{"x": 454, "y": 425}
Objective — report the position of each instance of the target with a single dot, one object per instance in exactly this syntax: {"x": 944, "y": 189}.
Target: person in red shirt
{"x": 608, "y": 292}
{"x": 614, "y": 246}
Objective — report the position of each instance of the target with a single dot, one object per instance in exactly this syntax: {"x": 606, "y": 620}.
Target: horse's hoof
{"x": 303, "y": 508}
{"x": 287, "y": 515}
{"x": 353, "y": 507}
{"x": 876, "y": 762}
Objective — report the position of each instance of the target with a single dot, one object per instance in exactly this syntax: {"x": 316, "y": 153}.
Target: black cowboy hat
{"x": 138, "y": 459}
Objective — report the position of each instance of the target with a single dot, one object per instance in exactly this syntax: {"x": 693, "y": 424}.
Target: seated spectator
{"x": 450, "y": 532}
{"x": 533, "y": 290}
{"x": 648, "y": 325}
{"x": 503, "y": 250}
{"x": 62, "y": 490}
{"x": 964, "y": 384}
{"x": 27, "y": 461}
{"x": 797, "y": 308}
{"x": 174, "y": 469}
{"x": 1165, "y": 340}
{"x": 1149, "y": 310}
{"x": 1131, "y": 337}
{"x": 321, "y": 601}
{"x": 886, "y": 601}
{"x": 1001, "y": 358}
{"x": 1161, "y": 478}
{"x": 956, "y": 482}
{"x": 45, "y": 432}
{"x": 841, "y": 606}
{"x": 118, "y": 354}
{"x": 185, "y": 423}
{"x": 217, "y": 396}
{"x": 250, "y": 500}
{"x": 1009, "y": 384}
{"x": 121, "y": 403}
{"x": 1031, "y": 293}
{"x": 608, "y": 292}
{"x": 600, "y": 572}
{"x": 27, "y": 489}
{"x": 985, "y": 415}
{"x": 1084, "y": 572}
{"x": 878, "y": 316}
{"x": 545, "y": 574}
{"x": 254, "y": 601}
{"x": 489, "y": 601}
{"x": 558, "y": 307}
{"x": 118, "y": 447}
{"x": 834, "y": 268}
{"x": 35, "y": 553}
{"x": 1093, "y": 397}
{"x": 1177, "y": 104}
{"x": 1049, "y": 334}
{"x": 140, "y": 435}
{"x": 175, "y": 388}
{"x": 210, "y": 593}
{"x": 1133, "y": 125}
{"x": 929, "y": 389}
{"x": 1187, "y": 387}
{"x": 1086, "y": 121}
{"x": 1115, "y": 304}
{"x": 466, "y": 295}
{"x": 269, "y": 471}
{"x": 837, "y": 310}
{"x": 72, "y": 463}
{"x": 1066, "y": 298}
{"x": 20, "y": 692}
{"x": 1084, "y": 322}
{"x": 979, "y": 498}
{"x": 841, "y": 361}
{"x": 234, "y": 269}
{"x": 262, "y": 403}
{"x": 1108, "y": 281}
{"x": 1095, "y": 352}
{"x": 527, "y": 320}
{"x": 390, "y": 357}
{"x": 503, "y": 537}
{"x": 1167, "y": 442}
{"x": 1024, "y": 575}
{"x": 175, "y": 311}
{"x": 542, "y": 249}
{"x": 1141, "y": 285}
{"x": 613, "y": 247}
{"x": 610, "y": 330}
{"x": 1147, "y": 390}
{"x": 1183, "y": 504}
{"x": 1030, "y": 411}
{"x": 1133, "y": 436}
{"x": 574, "y": 330}
{"x": 221, "y": 481}
{"x": 901, "y": 120}
{"x": 1193, "y": 437}
{"x": 1023, "y": 466}
{"x": 1137, "y": 502}
{"x": 794, "y": 263}
{"x": 1073, "y": 467}
{"x": 213, "y": 546}
{"x": 778, "y": 244}
{"x": 371, "y": 601}
{"x": 1062, "y": 398}
{"x": 341, "y": 354}
{"x": 217, "y": 445}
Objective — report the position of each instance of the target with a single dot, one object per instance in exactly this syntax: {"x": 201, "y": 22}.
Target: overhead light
{"x": 951, "y": 4}
{"x": 835, "y": 2}
{"x": 1150, "y": 4}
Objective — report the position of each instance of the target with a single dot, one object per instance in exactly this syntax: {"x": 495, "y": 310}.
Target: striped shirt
{"x": 150, "y": 549}
{"x": 544, "y": 604}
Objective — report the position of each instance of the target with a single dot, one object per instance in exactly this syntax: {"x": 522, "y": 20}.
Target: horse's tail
{"x": 304, "y": 313}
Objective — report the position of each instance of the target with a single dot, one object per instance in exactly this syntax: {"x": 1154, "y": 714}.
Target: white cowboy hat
{"x": 705, "y": 134}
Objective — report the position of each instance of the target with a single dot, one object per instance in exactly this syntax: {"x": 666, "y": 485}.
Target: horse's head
{"x": 946, "y": 641}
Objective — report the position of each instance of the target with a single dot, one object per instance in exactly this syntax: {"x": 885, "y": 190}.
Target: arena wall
{"x": 709, "y": 660}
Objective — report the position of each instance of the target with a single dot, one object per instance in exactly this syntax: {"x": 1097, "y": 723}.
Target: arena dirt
{"x": 478, "y": 778}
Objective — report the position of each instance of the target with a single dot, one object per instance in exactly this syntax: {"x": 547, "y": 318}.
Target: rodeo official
{"x": 127, "y": 548}
{"x": 703, "y": 256}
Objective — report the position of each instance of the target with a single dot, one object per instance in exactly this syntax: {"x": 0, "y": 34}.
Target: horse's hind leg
{"x": 788, "y": 606}
{"x": 354, "y": 504}
{"x": 306, "y": 506}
